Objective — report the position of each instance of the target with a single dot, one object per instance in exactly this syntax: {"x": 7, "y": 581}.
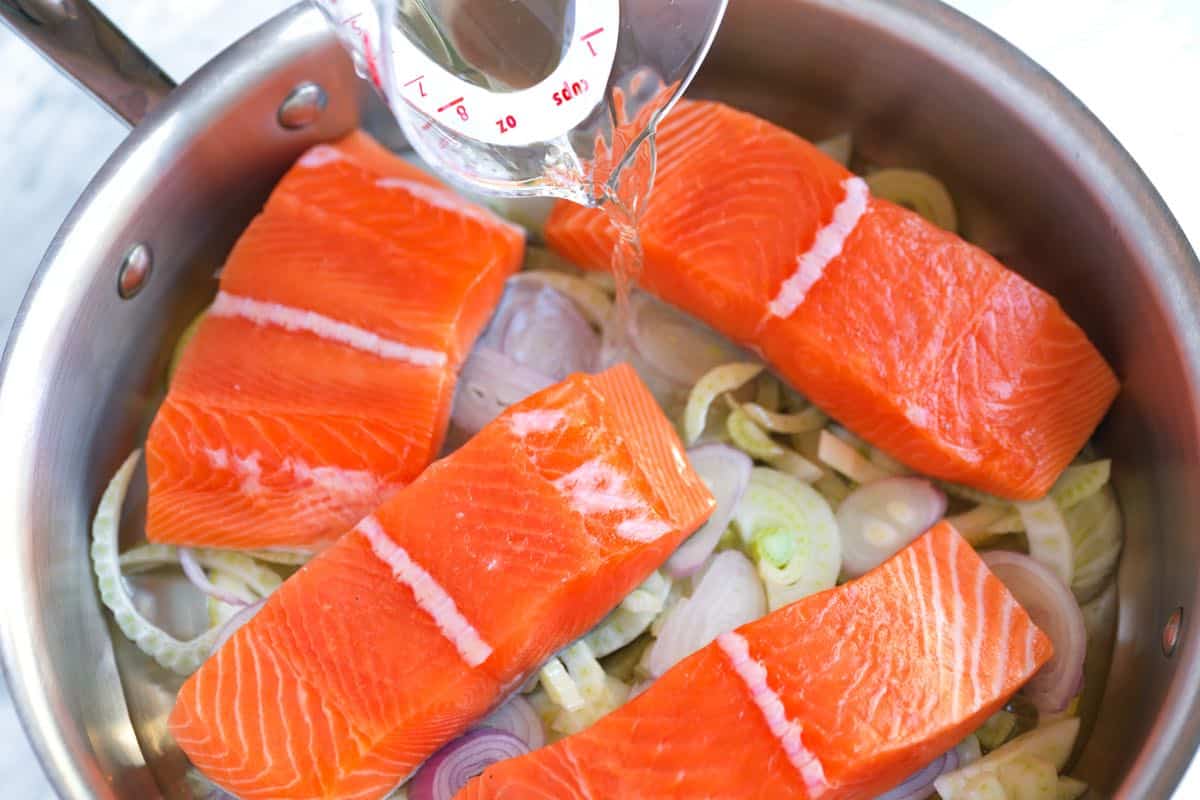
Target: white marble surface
{"x": 1134, "y": 62}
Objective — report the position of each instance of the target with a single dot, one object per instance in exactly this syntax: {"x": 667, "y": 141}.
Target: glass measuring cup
{"x": 521, "y": 98}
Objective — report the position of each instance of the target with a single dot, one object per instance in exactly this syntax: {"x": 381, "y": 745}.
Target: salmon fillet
{"x": 840, "y": 695}
{"x": 919, "y": 342}
{"x": 321, "y": 379}
{"x": 434, "y": 608}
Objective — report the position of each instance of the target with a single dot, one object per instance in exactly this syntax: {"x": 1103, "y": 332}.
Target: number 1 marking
{"x": 589, "y": 35}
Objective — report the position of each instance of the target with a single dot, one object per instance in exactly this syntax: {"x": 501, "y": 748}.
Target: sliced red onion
{"x": 726, "y": 472}
{"x": 1052, "y": 608}
{"x": 728, "y": 594}
{"x": 235, "y": 622}
{"x": 448, "y": 770}
{"x": 195, "y": 574}
{"x": 518, "y": 717}
{"x": 919, "y": 785}
{"x": 490, "y": 382}
{"x": 879, "y": 519}
{"x": 542, "y": 329}
{"x": 677, "y": 345}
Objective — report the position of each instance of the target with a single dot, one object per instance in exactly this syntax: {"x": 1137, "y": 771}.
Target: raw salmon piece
{"x": 411, "y": 627}
{"x": 919, "y": 342}
{"x": 321, "y": 379}
{"x": 839, "y": 696}
{"x": 362, "y": 149}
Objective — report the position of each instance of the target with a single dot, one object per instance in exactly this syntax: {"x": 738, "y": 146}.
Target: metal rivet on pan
{"x": 1170, "y": 637}
{"x": 302, "y": 106}
{"x": 47, "y": 11}
{"x": 135, "y": 270}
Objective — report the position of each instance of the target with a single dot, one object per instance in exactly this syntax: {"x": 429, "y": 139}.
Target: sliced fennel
{"x": 183, "y": 657}
{"x": 1049, "y": 539}
{"x": 1095, "y": 526}
{"x": 585, "y": 671}
{"x": 1028, "y": 777}
{"x": 810, "y": 419}
{"x": 975, "y": 523}
{"x": 984, "y": 787}
{"x": 846, "y": 460}
{"x": 601, "y": 693}
{"x": 1051, "y": 743}
{"x": 919, "y": 191}
{"x": 973, "y": 495}
{"x": 1077, "y": 483}
{"x": 718, "y": 381}
{"x": 754, "y": 441}
{"x": 218, "y": 612}
{"x": 239, "y": 565}
{"x": 1070, "y": 789}
{"x": 996, "y": 730}
{"x": 780, "y": 514}
{"x": 614, "y": 695}
{"x": 630, "y": 619}
{"x": 560, "y": 687}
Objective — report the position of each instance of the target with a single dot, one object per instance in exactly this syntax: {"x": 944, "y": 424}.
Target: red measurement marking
{"x": 587, "y": 36}
{"x": 506, "y": 124}
{"x": 420, "y": 86}
{"x": 451, "y": 104}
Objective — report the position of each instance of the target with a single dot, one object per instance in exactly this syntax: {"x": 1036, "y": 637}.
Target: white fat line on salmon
{"x": 595, "y": 487}
{"x": 319, "y": 156}
{"x": 295, "y": 319}
{"x": 431, "y": 597}
{"x": 1006, "y": 642}
{"x": 826, "y": 247}
{"x": 544, "y": 420}
{"x": 787, "y": 731}
{"x": 448, "y": 201}
{"x": 343, "y": 482}
{"x": 956, "y": 625}
{"x": 977, "y": 648}
{"x": 935, "y": 602}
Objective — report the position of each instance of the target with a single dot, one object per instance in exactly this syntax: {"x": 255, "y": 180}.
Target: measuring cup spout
{"x": 528, "y": 97}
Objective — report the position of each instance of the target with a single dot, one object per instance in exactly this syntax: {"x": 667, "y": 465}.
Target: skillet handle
{"x": 85, "y": 45}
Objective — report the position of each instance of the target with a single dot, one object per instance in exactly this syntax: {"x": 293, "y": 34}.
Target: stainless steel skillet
{"x": 1037, "y": 177}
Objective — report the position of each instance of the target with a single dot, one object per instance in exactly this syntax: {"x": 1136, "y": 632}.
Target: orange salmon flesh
{"x": 438, "y": 605}
{"x": 321, "y": 379}
{"x": 921, "y": 343}
{"x": 840, "y": 695}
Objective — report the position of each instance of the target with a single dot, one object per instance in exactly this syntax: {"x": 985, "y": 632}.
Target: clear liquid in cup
{"x": 520, "y": 98}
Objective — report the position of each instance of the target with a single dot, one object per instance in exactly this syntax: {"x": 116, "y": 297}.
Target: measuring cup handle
{"x": 81, "y": 41}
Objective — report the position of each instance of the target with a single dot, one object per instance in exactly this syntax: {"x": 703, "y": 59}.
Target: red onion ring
{"x": 195, "y": 574}
{"x": 542, "y": 329}
{"x": 235, "y": 622}
{"x": 1052, "y": 607}
{"x": 518, "y": 717}
{"x": 678, "y": 346}
{"x": 729, "y": 594}
{"x": 726, "y": 472}
{"x": 448, "y": 770}
{"x": 490, "y": 382}
{"x": 919, "y": 785}
{"x": 880, "y": 518}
